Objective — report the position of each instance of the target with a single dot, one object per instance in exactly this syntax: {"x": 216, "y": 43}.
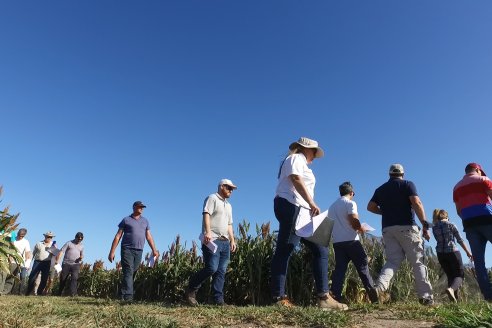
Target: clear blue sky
{"x": 105, "y": 103}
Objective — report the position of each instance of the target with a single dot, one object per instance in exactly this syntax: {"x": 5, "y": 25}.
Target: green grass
{"x": 54, "y": 312}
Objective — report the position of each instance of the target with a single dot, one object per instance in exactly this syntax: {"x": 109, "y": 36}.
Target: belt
{"x": 222, "y": 238}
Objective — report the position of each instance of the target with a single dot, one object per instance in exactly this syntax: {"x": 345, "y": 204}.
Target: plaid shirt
{"x": 445, "y": 233}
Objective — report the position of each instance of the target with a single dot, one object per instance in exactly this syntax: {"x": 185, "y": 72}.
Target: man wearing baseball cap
{"x": 216, "y": 228}
{"x": 397, "y": 202}
{"x": 134, "y": 229}
{"x": 472, "y": 197}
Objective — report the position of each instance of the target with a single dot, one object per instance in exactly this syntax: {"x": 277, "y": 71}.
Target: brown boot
{"x": 326, "y": 302}
{"x": 190, "y": 297}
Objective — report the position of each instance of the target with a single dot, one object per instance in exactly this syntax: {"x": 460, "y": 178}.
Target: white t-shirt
{"x": 295, "y": 164}
{"x": 339, "y": 212}
{"x": 23, "y": 247}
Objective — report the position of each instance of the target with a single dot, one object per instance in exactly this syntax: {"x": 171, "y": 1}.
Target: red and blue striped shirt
{"x": 471, "y": 197}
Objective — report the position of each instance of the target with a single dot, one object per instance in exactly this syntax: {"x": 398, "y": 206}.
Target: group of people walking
{"x": 44, "y": 263}
{"x": 396, "y": 200}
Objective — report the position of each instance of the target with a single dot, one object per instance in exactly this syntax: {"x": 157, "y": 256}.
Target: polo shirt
{"x": 134, "y": 232}
{"x": 220, "y": 211}
{"x": 295, "y": 164}
{"x": 339, "y": 212}
{"x": 393, "y": 199}
{"x": 470, "y": 194}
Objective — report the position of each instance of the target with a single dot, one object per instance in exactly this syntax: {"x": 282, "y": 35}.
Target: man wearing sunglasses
{"x": 216, "y": 229}
{"x": 42, "y": 255}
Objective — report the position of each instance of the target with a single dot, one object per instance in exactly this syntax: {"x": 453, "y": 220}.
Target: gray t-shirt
{"x": 41, "y": 253}
{"x": 134, "y": 232}
{"x": 72, "y": 252}
{"x": 220, "y": 211}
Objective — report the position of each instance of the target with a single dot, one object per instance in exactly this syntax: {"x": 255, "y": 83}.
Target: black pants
{"x": 72, "y": 270}
{"x": 452, "y": 265}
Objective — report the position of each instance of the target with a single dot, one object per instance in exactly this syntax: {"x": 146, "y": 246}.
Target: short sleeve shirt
{"x": 393, "y": 198}
{"x": 134, "y": 232}
{"x": 41, "y": 252}
{"x": 295, "y": 164}
{"x": 23, "y": 247}
{"x": 339, "y": 212}
{"x": 72, "y": 252}
{"x": 220, "y": 211}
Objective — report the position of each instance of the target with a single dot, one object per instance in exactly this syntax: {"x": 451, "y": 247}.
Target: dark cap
{"x": 474, "y": 166}
{"x": 138, "y": 204}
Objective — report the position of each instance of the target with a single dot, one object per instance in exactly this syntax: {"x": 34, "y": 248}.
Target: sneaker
{"x": 373, "y": 295}
{"x": 451, "y": 295}
{"x": 283, "y": 301}
{"x": 326, "y": 302}
{"x": 190, "y": 297}
{"x": 427, "y": 301}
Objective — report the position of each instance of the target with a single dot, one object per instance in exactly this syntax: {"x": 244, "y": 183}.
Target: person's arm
{"x": 232, "y": 241}
{"x": 374, "y": 208}
{"x": 302, "y": 190}
{"x": 207, "y": 234}
{"x": 418, "y": 207}
{"x": 150, "y": 240}
{"x": 115, "y": 243}
{"x": 354, "y": 222}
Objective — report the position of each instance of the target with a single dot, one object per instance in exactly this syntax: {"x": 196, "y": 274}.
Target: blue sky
{"x": 105, "y": 103}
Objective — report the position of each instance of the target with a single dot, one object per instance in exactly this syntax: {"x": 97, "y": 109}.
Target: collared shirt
{"x": 134, "y": 232}
{"x": 41, "y": 253}
{"x": 445, "y": 233}
{"x": 339, "y": 211}
{"x": 393, "y": 198}
{"x": 220, "y": 211}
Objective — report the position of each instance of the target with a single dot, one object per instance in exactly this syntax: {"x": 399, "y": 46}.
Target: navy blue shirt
{"x": 394, "y": 202}
{"x": 134, "y": 232}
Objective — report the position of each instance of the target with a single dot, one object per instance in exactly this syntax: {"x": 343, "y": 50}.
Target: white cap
{"x": 227, "y": 182}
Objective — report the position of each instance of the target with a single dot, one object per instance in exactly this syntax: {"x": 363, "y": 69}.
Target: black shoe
{"x": 427, "y": 301}
{"x": 373, "y": 295}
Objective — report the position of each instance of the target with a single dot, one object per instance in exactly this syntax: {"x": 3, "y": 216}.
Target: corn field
{"x": 248, "y": 275}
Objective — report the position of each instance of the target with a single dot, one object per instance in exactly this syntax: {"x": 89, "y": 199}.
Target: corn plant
{"x": 7, "y": 249}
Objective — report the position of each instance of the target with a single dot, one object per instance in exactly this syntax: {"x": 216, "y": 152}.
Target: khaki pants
{"x": 401, "y": 242}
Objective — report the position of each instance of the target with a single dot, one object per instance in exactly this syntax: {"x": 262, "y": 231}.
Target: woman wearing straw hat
{"x": 295, "y": 189}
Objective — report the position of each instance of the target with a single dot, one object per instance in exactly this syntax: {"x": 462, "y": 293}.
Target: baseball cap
{"x": 475, "y": 166}
{"x": 227, "y": 182}
{"x": 138, "y": 204}
{"x": 396, "y": 169}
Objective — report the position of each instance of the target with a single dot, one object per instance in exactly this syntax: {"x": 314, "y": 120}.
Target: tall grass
{"x": 248, "y": 275}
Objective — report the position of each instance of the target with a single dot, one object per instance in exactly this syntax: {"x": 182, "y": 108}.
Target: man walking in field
{"x": 74, "y": 253}
{"x": 346, "y": 243}
{"x": 216, "y": 229}
{"x": 397, "y": 202}
{"x": 472, "y": 197}
{"x": 134, "y": 229}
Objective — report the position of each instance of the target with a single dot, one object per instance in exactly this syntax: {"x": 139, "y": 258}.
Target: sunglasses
{"x": 228, "y": 187}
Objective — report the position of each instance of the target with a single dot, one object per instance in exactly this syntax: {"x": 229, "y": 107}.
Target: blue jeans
{"x": 345, "y": 252}
{"x": 478, "y": 237}
{"x": 286, "y": 214}
{"x": 215, "y": 267}
{"x": 43, "y": 268}
{"x": 130, "y": 261}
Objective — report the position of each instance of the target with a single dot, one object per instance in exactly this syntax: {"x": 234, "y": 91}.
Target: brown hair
{"x": 439, "y": 215}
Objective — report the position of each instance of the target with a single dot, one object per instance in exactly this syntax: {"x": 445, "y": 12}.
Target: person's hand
{"x": 233, "y": 246}
{"x": 426, "y": 234}
{"x": 207, "y": 238}
{"x": 314, "y": 209}
{"x": 111, "y": 257}
{"x": 156, "y": 254}
{"x": 470, "y": 256}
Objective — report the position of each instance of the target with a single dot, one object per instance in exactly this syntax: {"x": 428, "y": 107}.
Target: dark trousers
{"x": 130, "y": 261}
{"x": 72, "y": 270}
{"x": 286, "y": 214}
{"x": 345, "y": 252}
{"x": 43, "y": 268}
{"x": 452, "y": 265}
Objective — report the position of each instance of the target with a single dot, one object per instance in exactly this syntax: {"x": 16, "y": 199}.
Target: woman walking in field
{"x": 295, "y": 189}
{"x": 448, "y": 254}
